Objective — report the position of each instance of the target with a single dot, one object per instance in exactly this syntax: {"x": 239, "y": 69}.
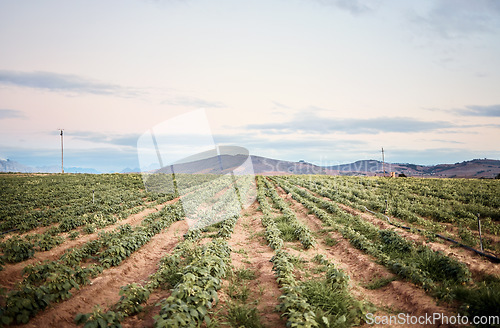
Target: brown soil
{"x": 146, "y": 317}
{"x": 12, "y": 273}
{"x": 398, "y": 296}
{"x": 104, "y": 289}
{"x": 477, "y": 264}
{"x": 250, "y": 251}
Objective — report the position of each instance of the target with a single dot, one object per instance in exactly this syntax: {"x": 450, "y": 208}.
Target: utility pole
{"x": 383, "y": 160}
{"x": 62, "y": 151}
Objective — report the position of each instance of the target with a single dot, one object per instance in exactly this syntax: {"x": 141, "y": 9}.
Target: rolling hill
{"x": 476, "y": 168}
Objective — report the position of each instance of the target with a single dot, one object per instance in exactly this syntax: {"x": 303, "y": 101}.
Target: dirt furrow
{"x": 104, "y": 289}
{"x": 477, "y": 265}
{"x": 397, "y": 296}
{"x": 12, "y": 273}
{"x": 250, "y": 251}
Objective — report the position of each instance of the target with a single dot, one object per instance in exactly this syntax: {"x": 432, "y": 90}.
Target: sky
{"x": 325, "y": 81}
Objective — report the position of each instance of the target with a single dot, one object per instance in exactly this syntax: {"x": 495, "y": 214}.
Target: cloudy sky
{"x": 326, "y": 81}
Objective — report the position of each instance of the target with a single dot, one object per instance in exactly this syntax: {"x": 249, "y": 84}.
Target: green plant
{"x": 47, "y": 241}
{"x": 245, "y": 274}
{"x": 238, "y": 291}
{"x": 132, "y": 298}
{"x": 320, "y": 259}
{"x": 73, "y": 235}
{"x": 329, "y": 241}
{"x": 17, "y": 249}
{"x": 243, "y": 316}
{"x": 193, "y": 296}
{"x": 99, "y": 319}
{"x": 480, "y": 300}
{"x": 380, "y": 282}
{"x": 89, "y": 228}
{"x": 468, "y": 238}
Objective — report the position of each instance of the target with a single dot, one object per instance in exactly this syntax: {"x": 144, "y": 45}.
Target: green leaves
{"x": 193, "y": 296}
{"x": 99, "y": 319}
{"x": 132, "y": 296}
{"x": 292, "y": 304}
{"x": 21, "y": 304}
{"x": 17, "y": 249}
{"x": 301, "y": 232}
{"x": 47, "y": 241}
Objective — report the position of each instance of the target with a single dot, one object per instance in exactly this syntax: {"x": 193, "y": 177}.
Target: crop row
{"x": 419, "y": 264}
{"x": 298, "y": 311}
{"x": 445, "y": 277}
{"x": 212, "y": 203}
{"x": 28, "y": 202}
{"x": 406, "y": 203}
{"x": 53, "y": 281}
{"x": 312, "y": 303}
{"x": 193, "y": 272}
{"x": 272, "y": 233}
{"x": 17, "y": 249}
{"x": 300, "y": 231}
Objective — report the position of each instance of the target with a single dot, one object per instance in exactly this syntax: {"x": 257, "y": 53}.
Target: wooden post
{"x": 62, "y": 152}
{"x": 479, "y": 228}
{"x": 92, "y": 196}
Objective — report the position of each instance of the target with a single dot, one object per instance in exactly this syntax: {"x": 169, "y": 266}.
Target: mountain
{"x": 6, "y": 165}
{"x": 13, "y": 166}
{"x": 476, "y": 168}
{"x": 129, "y": 170}
{"x": 80, "y": 170}
{"x": 269, "y": 166}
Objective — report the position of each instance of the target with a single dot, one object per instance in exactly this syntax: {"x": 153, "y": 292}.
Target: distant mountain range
{"x": 13, "y": 166}
{"x": 476, "y": 168}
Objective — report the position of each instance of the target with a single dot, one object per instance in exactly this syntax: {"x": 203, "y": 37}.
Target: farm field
{"x": 306, "y": 251}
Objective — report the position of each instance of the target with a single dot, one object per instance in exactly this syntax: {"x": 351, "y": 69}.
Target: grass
{"x": 320, "y": 269}
{"x": 238, "y": 292}
{"x": 243, "y": 316}
{"x": 241, "y": 251}
{"x": 335, "y": 304}
{"x": 379, "y": 283}
{"x": 480, "y": 300}
{"x": 331, "y": 241}
{"x": 320, "y": 259}
{"x": 297, "y": 261}
{"x": 240, "y": 312}
{"x": 245, "y": 274}
{"x": 287, "y": 230}
{"x": 238, "y": 288}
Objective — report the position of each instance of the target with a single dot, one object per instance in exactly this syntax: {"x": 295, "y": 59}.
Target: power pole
{"x": 62, "y": 151}
{"x": 383, "y": 160}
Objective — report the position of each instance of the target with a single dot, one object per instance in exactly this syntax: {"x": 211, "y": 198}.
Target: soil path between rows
{"x": 104, "y": 289}
{"x": 12, "y": 273}
{"x": 478, "y": 265}
{"x": 250, "y": 251}
{"x": 396, "y": 297}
